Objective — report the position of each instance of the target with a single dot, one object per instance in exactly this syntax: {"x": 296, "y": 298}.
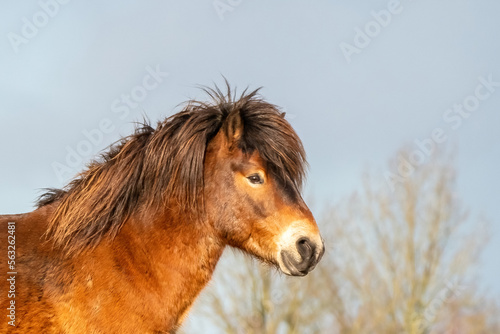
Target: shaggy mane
{"x": 151, "y": 166}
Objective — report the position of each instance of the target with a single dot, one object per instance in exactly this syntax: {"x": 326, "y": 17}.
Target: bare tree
{"x": 399, "y": 260}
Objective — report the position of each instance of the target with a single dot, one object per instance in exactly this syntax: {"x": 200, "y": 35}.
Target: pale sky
{"x": 64, "y": 76}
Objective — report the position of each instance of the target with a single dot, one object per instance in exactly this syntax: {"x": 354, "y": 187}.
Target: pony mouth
{"x": 291, "y": 266}
{"x": 288, "y": 267}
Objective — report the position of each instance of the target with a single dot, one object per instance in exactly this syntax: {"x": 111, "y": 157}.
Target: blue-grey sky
{"x": 357, "y": 79}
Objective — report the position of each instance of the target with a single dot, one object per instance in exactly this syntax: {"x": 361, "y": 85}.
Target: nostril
{"x": 306, "y": 248}
{"x": 302, "y": 241}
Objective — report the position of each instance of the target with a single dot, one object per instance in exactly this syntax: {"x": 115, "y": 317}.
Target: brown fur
{"x": 127, "y": 246}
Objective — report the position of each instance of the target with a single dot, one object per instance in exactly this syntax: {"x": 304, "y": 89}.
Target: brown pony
{"x": 128, "y": 245}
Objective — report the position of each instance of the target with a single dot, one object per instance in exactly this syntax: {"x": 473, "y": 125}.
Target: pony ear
{"x": 234, "y": 127}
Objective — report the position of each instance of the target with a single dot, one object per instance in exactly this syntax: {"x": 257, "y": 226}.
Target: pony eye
{"x": 255, "y": 179}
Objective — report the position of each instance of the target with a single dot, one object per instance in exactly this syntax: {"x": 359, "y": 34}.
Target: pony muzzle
{"x": 298, "y": 255}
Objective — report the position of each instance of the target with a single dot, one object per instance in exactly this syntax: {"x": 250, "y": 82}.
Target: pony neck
{"x": 161, "y": 258}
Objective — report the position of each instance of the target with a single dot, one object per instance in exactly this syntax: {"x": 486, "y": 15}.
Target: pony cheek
{"x": 230, "y": 225}
{"x": 237, "y": 234}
